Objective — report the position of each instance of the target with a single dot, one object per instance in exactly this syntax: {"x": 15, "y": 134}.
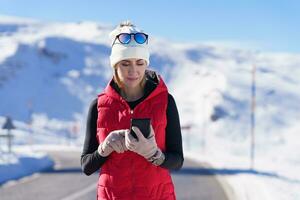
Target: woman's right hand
{"x": 115, "y": 141}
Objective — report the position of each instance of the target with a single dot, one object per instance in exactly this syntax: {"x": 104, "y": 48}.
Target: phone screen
{"x": 143, "y": 124}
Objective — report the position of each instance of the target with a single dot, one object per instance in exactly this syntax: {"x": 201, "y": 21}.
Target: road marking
{"x": 81, "y": 193}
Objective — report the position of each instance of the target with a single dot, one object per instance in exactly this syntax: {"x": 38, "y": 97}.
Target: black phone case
{"x": 142, "y": 124}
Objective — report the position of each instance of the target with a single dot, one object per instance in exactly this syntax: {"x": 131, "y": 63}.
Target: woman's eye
{"x": 125, "y": 64}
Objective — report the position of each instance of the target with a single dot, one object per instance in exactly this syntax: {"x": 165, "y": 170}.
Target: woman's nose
{"x": 132, "y": 68}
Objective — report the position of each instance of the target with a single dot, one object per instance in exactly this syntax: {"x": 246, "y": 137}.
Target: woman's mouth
{"x": 132, "y": 79}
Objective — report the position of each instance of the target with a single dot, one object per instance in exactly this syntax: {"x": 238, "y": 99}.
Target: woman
{"x": 132, "y": 168}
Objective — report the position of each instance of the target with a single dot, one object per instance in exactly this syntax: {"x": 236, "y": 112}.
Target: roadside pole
{"x": 187, "y": 129}
{"x": 8, "y": 125}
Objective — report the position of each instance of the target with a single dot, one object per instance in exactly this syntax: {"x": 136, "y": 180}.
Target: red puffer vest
{"x": 129, "y": 176}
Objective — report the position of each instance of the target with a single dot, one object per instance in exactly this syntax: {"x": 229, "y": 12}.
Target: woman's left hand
{"x": 145, "y": 147}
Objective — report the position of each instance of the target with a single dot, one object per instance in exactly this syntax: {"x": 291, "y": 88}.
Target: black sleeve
{"x": 174, "y": 153}
{"x": 91, "y": 160}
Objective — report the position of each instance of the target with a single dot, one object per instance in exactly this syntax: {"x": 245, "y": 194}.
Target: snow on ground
{"x": 275, "y": 174}
{"x": 30, "y": 144}
{"x": 22, "y": 163}
{"x": 213, "y": 96}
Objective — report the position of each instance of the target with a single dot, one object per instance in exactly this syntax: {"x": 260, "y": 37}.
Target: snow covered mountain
{"x": 49, "y": 73}
{"x": 56, "y": 69}
{"x": 53, "y": 68}
{"x": 43, "y": 71}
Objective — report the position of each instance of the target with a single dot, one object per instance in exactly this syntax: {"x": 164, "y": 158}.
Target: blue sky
{"x": 263, "y": 25}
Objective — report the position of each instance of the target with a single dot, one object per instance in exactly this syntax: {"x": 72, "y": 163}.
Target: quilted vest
{"x": 129, "y": 176}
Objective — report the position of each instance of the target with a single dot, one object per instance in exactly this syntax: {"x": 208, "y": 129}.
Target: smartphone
{"x": 143, "y": 124}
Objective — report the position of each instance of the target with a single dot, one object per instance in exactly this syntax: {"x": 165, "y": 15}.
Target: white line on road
{"x": 81, "y": 193}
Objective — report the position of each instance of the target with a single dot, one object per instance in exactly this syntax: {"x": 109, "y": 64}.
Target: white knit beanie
{"x": 125, "y": 51}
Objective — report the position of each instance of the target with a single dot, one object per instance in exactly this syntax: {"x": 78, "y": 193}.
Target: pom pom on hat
{"x": 133, "y": 49}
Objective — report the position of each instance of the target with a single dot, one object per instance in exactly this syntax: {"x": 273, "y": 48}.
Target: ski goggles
{"x": 125, "y": 38}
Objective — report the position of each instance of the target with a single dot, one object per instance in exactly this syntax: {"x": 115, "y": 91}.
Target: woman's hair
{"x": 117, "y": 78}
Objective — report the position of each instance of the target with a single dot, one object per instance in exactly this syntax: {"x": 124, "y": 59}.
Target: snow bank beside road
{"x": 15, "y": 166}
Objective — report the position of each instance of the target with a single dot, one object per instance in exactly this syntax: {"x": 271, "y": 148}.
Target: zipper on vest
{"x": 132, "y": 169}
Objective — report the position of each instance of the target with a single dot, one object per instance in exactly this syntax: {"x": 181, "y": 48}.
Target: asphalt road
{"x": 67, "y": 182}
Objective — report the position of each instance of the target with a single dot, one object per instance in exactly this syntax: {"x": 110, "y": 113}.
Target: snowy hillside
{"x": 53, "y": 70}
{"x": 46, "y": 70}
{"x": 213, "y": 92}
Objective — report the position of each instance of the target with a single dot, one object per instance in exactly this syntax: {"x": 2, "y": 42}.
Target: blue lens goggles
{"x": 125, "y": 38}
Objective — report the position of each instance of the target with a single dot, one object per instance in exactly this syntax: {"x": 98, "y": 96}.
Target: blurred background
{"x": 232, "y": 67}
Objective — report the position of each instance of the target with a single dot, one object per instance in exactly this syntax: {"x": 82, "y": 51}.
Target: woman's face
{"x": 131, "y": 71}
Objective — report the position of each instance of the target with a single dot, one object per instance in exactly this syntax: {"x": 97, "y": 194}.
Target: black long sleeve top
{"x": 91, "y": 160}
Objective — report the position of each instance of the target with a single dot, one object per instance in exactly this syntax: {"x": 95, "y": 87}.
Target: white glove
{"x": 145, "y": 147}
{"x": 115, "y": 141}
